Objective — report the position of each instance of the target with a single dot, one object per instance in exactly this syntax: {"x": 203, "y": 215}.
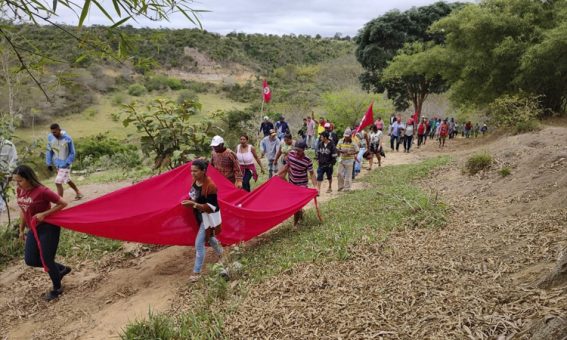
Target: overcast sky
{"x": 325, "y": 17}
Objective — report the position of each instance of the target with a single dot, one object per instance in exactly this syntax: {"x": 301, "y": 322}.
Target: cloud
{"x": 273, "y": 17}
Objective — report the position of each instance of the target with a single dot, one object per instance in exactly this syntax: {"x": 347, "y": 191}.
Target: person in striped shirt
{"x": 299, "y": 169}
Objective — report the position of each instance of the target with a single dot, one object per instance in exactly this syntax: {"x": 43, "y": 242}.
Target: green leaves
{"x": 84, "y": 12}
{"x": 166, "y": 131}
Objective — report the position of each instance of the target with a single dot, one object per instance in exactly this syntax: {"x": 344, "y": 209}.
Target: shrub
{"x": 118, "y": 99}
{"x": 137, "y": 90}
{"x": 478, "y": 162}
{"x": 155, "y": 327}
{"x": 187, "y": 95}
{"x": 519, "y": 112}
{"x": 505, "y": 171}
{"x": 161, "y": 83}
{"x": 526, "y": 126}
{"x": 101, "y": 151}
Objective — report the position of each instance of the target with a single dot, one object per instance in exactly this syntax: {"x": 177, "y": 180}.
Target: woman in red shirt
{"x": 34, "y": 200}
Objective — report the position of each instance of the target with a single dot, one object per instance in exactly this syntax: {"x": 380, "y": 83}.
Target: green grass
{"x": 505, "y": 171}
{"x": 364, "y": 216}
{"x": 97, "y": 118}
{"x": 478, "y": 162}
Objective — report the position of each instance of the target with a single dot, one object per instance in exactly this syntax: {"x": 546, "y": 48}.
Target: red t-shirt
{"x": 35, "y": 200}
{"x": 444, "y": 130}
{"x": 421, "y": 128}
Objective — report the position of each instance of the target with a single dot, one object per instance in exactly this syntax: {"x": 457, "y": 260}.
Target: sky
{"x": 311, "y": 17}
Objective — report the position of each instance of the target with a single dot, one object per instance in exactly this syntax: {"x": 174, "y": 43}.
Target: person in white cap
{"x": 225, "y": 161}
{"x": 270, "y": 146}
{"x": 347, "y": 150}
{"x": 266, "y": 126}
{"x": 332, "y": 134}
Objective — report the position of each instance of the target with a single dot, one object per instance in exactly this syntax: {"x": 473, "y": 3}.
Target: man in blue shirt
{"x": 60, "y": 155}
{"x": 282, "y": 128}
{"x": 394, "y": 132}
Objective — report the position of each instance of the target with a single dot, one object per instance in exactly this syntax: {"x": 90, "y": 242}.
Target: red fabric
{"x": 367, "y": 120}
{"x": 415, "y": 117}
{"x": 151, "y": 212}
{"x": 34, "y": 201}
{"x": 266, "y": 91}
{"x": 421, "y": 128}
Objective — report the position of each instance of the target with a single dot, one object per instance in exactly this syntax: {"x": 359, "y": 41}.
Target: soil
{"x": 475, "y": 278}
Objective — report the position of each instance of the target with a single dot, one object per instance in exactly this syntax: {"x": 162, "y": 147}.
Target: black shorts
{"x": 324, "y": 169}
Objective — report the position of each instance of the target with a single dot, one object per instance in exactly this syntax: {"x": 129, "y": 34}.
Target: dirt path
{"x": 101, "y": 298}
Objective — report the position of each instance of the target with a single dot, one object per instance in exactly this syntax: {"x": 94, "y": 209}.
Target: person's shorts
{"x": 63, "y": 176}
{"x": 322, "y": 170}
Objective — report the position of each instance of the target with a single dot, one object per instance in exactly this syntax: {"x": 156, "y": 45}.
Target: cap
{"x": 300, "y": 145}
{"x": 327, "y": 125}
{"x": 266, "y": 118}
{"x": 217, "y": 140}
{"x": 348, "y": 133}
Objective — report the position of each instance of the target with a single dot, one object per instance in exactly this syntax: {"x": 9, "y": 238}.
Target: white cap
{"x": 327, "y": 125}
{"x": 217, "y": 140}
{"x": 266, "y": 118}
{"x": 348, "y": 132}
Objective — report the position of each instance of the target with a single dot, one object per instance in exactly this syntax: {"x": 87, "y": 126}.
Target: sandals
{"x": 194, "y": 278}
{"x": 78, "y": 197}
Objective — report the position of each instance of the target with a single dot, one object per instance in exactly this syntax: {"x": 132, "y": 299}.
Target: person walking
{"x": 376, "y": 146}
{"x": 8, "y": 162}
{"x": 60, "y": 156}
{"x": 299, "y": 169}
{"x": 35, "y": 200}
{"x": 394, "y": 131}
{"x": 266, "y": 126}
{"x": 379, "y": 123}
{"x": 224, "y": 160}
{"x": 282, "y": 128}
{"x": 443, "y": 133}
{"x": 285, "y": 147}
{"x": 246, "y": 154}
{"x": 311, "y": 125}
{"x": 327, "y": 158}
{"x": 408, "y": 135}
{"x": 203, "y": 200}
{"x": 421, "y": 132}
{"x": 269, "y": 147}
{"x": 347, "y": 151}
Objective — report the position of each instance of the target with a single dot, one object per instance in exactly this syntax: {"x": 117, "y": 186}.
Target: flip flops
{"x": 78, "y": 197}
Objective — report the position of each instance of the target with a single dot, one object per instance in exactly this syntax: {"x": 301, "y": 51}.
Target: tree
{"x": 382, "y": 38}
{"x": 504, "y": 47}
{"x": 345, "y": 108}
{"x": 413, "y": 75}
{"x": 168, "y": 134}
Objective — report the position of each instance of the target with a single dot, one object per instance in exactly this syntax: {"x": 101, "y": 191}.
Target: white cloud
{"x": 271, "y": 16}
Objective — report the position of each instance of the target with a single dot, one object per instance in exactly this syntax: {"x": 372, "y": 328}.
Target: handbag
{"x": 212, "y": 220}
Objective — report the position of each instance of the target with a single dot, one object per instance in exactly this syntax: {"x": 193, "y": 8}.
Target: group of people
{"x": 434, "y": 128}
{"x": 36, "y": 202}
{"x": 285, "y": 157}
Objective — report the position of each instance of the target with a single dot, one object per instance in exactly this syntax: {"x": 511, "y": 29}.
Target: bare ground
{"x": 473, "y": 278}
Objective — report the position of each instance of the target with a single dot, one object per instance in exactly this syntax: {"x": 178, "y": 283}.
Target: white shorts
{"x": 63, "y": 176}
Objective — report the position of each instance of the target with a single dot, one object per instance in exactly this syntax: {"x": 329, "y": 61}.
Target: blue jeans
{"x": 246, "y": 180}
{"x": 200, "y": 248}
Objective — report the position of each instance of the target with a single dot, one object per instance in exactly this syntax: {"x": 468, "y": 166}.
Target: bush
{"x": 101, "y": 151}
{"x": 478, "y": 162}
{"x": 137, "y": 90}
{"x": 10, "y": 245}
{"x": 526, "y": 126}
{"x": 161, "y": 83}
{"x": 118, "y": 99}
{"x": 155, "y": 327}
{"x": 519, "y": 112}
{"x": 505, "y": 171}
{"x": 187, "y": 95}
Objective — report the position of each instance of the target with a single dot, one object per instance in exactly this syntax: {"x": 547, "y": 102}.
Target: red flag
{"x": 415, "y": 118}
{"x": 367, "y": 120}
{"x": 266, "y": 91}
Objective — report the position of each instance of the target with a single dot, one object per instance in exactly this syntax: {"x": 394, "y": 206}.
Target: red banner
{"x": 266, "y": 91}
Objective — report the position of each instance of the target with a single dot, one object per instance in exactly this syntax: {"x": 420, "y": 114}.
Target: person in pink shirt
{"x": 379, "y": 123}
{"x": 310, "y": 131}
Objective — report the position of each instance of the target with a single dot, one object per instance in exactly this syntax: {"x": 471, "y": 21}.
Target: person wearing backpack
{"x": 327, "y": 158}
